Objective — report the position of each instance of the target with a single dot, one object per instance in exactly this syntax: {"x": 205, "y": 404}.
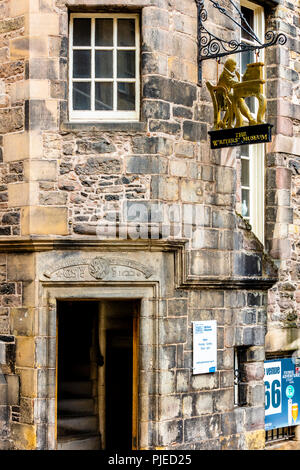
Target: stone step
{"x": 75, "y": 442}
{"x": 82, "y": 388}
{"x": 76, "y": 406}
{"x": 67, "y": 424}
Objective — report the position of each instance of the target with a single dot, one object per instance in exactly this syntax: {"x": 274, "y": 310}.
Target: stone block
{"x": 223, "y": 400}
{"x": 164, "y": 188}
{"x": 22, "y": 321}
{"x": 20, "y": 146}
{"x": 40, "y": 170}
{"x": 154, "y": 62}
{"x": 24, "y": 436}
{"x": 182, "y": 380}
{"x": 173, "y": 330}
{"x": 169, "y": 90}
{"x": 203, "y": 404}
{"x": 21, "y": 267}
{"x": 170, "y": 432}
{"x": 44, "y": 220}
{"x": 178, "y": 168}
{"x": 203, "y": 428}
{"x": 165, "y": 127}
{"x": 25, "y": 351}
{"x": 223, "y": 219}
{"x": 13, "y": 390}
{"x": 255, "y": 440}
{"x": 206, "y": 299}
{"x": 255, "y": 418}
{"x": 41, "y": 114}
{"x": 144, "y": 165}
{"x": 22, "y": 194}
{"x": 152, "y": 145}
{"x": 11, "y": 119}
{"x": 39, "y": 24}
{"x": 210, "y": 263}
{"x": 28, "y": 381}
{"x": 185, "y": 149}
{"x": 225, "y": 180}
{"x": 247, "y": 264}
{"x": 169, "y": 407}
{"x": 194, "y": 131}
{"x": 205, "y": 381}
{"x": 53, "y": 198}
{"x": 156, "y": 109}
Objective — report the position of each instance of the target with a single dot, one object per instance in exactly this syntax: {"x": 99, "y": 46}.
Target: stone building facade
{"x": 139, "y": 221}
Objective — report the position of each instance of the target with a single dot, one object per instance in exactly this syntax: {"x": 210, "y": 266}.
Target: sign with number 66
{"x": 272, "y": 388}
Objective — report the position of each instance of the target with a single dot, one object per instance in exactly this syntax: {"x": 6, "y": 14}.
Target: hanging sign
{"x": 204, "y": 346}
{"x": 231, "y": 112}
{"x": 282, "y": 394}
{"x": 246, "y": 135}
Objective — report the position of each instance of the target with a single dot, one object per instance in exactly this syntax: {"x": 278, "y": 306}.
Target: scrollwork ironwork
{"x": 210, "y": 46}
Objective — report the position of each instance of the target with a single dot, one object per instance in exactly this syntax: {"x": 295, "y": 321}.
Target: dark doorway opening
{"x": 97, "y": 369}
{"x": 77, "y": 415}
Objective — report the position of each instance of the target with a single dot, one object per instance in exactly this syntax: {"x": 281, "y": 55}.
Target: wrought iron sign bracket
{"x": 212, "y": 47}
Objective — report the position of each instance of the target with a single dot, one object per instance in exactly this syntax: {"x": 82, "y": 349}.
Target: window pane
{"x": 104, "y": 64}
{"x": 249, "y": 17}
{"x": 245, "y": 203}
{"x": 104, "y": 96}
{"x": 126, "y": 96}
{"x": 126, "y": 64}
{"x": 247, "y": 58}
{"x": 245, "y": 172}
{"x": 81, "y": 64}
{"x": 104, "y": 32}
{"x": 82, "y": 32}
{"x": 126, "y": 32}
{"x": 81, "y": 96}
{"x": 245, "y": 151}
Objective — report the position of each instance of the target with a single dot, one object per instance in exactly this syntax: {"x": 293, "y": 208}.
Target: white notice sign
{"x": 204, "y": 346}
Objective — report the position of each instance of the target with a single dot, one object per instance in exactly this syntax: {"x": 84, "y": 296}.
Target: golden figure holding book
{"x": 229, "y": 96}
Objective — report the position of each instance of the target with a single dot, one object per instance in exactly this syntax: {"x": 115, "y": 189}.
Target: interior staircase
{"x": 77, "y": 420}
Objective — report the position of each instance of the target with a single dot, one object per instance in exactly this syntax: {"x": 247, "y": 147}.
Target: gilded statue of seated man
{"x": 228, "y": 80}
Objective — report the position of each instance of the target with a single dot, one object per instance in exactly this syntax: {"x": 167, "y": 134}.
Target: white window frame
{"x": 100, "y": 115}
{"x": 256, "y": 152}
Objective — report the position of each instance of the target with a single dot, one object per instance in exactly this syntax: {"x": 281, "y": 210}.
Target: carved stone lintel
{"x": 99, "y": 268}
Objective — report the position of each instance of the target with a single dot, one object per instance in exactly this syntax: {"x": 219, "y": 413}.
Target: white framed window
{"x": 104, "y": 82}
{"x": 252, "y": 156}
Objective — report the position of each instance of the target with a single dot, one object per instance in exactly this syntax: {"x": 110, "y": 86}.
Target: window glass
{"x": 82, "y": 32}
{"x": 249, "y": 20}
{"x": 104, "y": 32}
{"x": 104, "y": 77}
{"x": 82, "y": 95}
{"x": 82, "y": 64}
{"x": 104, "y": 96}
{"x": 103, "y": 64}
{"x": 126, "y": 64}
{"x": 126, "y": 32}
{"x": 126, "y": 96}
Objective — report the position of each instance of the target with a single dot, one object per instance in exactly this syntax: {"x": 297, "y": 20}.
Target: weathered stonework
{"x": 83, "y": 216}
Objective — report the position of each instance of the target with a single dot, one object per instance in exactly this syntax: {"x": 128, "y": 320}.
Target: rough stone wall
{"x": 12, "y": 70}
{"x": 282, "y": 178}
{"x": 62, "y": 179}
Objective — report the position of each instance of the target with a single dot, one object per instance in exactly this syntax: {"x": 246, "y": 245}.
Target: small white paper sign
{"x": 204, "y": 346}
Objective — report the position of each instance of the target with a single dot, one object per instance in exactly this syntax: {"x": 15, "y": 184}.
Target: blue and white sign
{"x": 204, "y": 346}
{"x": 282, "y": 394}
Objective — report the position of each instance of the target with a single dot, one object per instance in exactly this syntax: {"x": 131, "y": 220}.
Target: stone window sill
{"x": 105, "y": 126}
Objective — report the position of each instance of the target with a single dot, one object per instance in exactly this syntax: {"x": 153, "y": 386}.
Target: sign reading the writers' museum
{"x": 204, "y": 346}
{"x": 246, "y": 135}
